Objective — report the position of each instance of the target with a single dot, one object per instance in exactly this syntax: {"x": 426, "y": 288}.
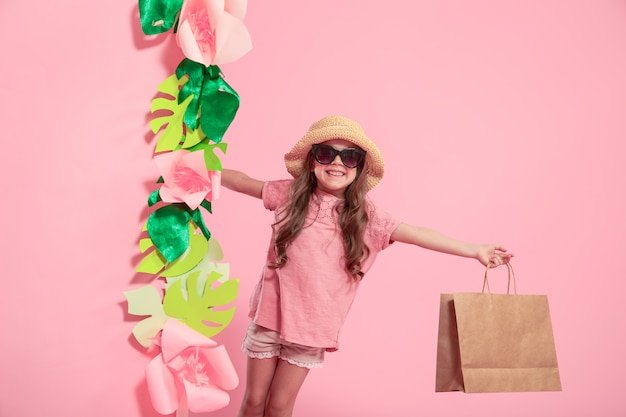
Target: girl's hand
{"x": 493, "y": 255}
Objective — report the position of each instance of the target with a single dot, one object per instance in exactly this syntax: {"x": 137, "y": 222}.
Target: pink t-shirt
{"x": 308, "y": 299}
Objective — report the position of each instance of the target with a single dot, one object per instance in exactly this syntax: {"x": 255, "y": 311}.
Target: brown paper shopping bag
{"x": 496, "y": 342}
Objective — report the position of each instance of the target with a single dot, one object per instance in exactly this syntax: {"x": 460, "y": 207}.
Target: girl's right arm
{"x": 242, "y": 183}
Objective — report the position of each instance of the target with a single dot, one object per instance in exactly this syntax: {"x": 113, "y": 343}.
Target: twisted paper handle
{"x": 511, "y": 272}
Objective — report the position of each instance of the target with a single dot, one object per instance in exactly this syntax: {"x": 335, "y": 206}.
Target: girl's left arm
{"x": 433, "y": 240}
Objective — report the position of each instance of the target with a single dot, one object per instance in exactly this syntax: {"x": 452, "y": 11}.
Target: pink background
{"x": 499, "y": 121}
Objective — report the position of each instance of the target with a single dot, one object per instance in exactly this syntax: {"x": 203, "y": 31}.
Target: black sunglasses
{"x": 325, "y": 154}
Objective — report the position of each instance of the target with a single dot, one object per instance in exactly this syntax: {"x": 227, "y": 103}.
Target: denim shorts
{"x": 261, "y": 343}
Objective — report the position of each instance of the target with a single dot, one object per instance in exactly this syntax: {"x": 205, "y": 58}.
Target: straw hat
{"x": 337, "y": 127}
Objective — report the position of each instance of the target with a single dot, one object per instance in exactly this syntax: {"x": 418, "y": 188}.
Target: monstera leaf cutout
{"x": 211, "y": 160}
{"x": 169, "y": 117}
{"x": 146, "y": 301}
{"x": 198, "y": 309}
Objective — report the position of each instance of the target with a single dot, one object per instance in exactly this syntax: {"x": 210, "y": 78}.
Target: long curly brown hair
{"x": 352, "y": 212}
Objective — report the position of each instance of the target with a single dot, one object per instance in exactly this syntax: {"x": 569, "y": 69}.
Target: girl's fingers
{"x": 500, "y": 259}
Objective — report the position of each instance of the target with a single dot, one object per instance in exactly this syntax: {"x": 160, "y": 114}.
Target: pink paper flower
{"x": 186, "y": 178}
{"x": 191, "y": 373}
{"x": 212, "y": 32}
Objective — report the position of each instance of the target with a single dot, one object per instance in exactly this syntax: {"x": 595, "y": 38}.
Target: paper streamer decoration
{"x": 192, "y": 296}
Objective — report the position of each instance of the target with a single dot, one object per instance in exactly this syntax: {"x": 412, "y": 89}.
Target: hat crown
{"x": 337, "y": 121}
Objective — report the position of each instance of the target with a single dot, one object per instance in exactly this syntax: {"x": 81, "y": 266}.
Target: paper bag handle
{"x": 508, "y": 285}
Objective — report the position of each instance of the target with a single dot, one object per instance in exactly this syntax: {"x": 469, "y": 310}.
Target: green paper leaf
{"x": 146, "y": 301}
{"x": 198, "y": 309}
{"x": 198, "y": 247}
{"x": 167, "y": 227}
{"x": 193, "y": 137}
{"x": 218, "y": 107}
{"x": 214, "y": 103}
{"x": 207, "y": 206}
{"x": 193, "y": 74}
{"x": 174, "y": 132}
{"x": 211, "y": 160}
{"x": 198, "y": 219}
{"x": 158, "y": 16}
{"x": 152, "y": 263}
{"x": 154, "y": 198}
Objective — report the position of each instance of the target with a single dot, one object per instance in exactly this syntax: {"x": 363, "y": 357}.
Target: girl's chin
{"x": 337, "y": 188}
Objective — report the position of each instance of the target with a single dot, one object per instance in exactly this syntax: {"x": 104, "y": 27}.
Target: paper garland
{"x": 192, "y": 298}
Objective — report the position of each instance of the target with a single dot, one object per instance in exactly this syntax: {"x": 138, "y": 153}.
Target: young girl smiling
{"x": 325, "y": 238}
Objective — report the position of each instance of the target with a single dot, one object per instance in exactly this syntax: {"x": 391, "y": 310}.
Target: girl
{"x": 325, "y": 238}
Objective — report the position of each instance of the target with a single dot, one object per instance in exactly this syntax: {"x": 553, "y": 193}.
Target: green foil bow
{"x": 214, "y": 103}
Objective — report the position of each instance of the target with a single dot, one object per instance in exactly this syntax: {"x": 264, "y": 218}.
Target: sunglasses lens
{"x": 351, "y": 157}
{"x": 324, "y": 154}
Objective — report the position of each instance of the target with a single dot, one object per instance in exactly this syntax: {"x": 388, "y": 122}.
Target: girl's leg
{"x": 259, "y": 375}
{"x": 284, "y": 389}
